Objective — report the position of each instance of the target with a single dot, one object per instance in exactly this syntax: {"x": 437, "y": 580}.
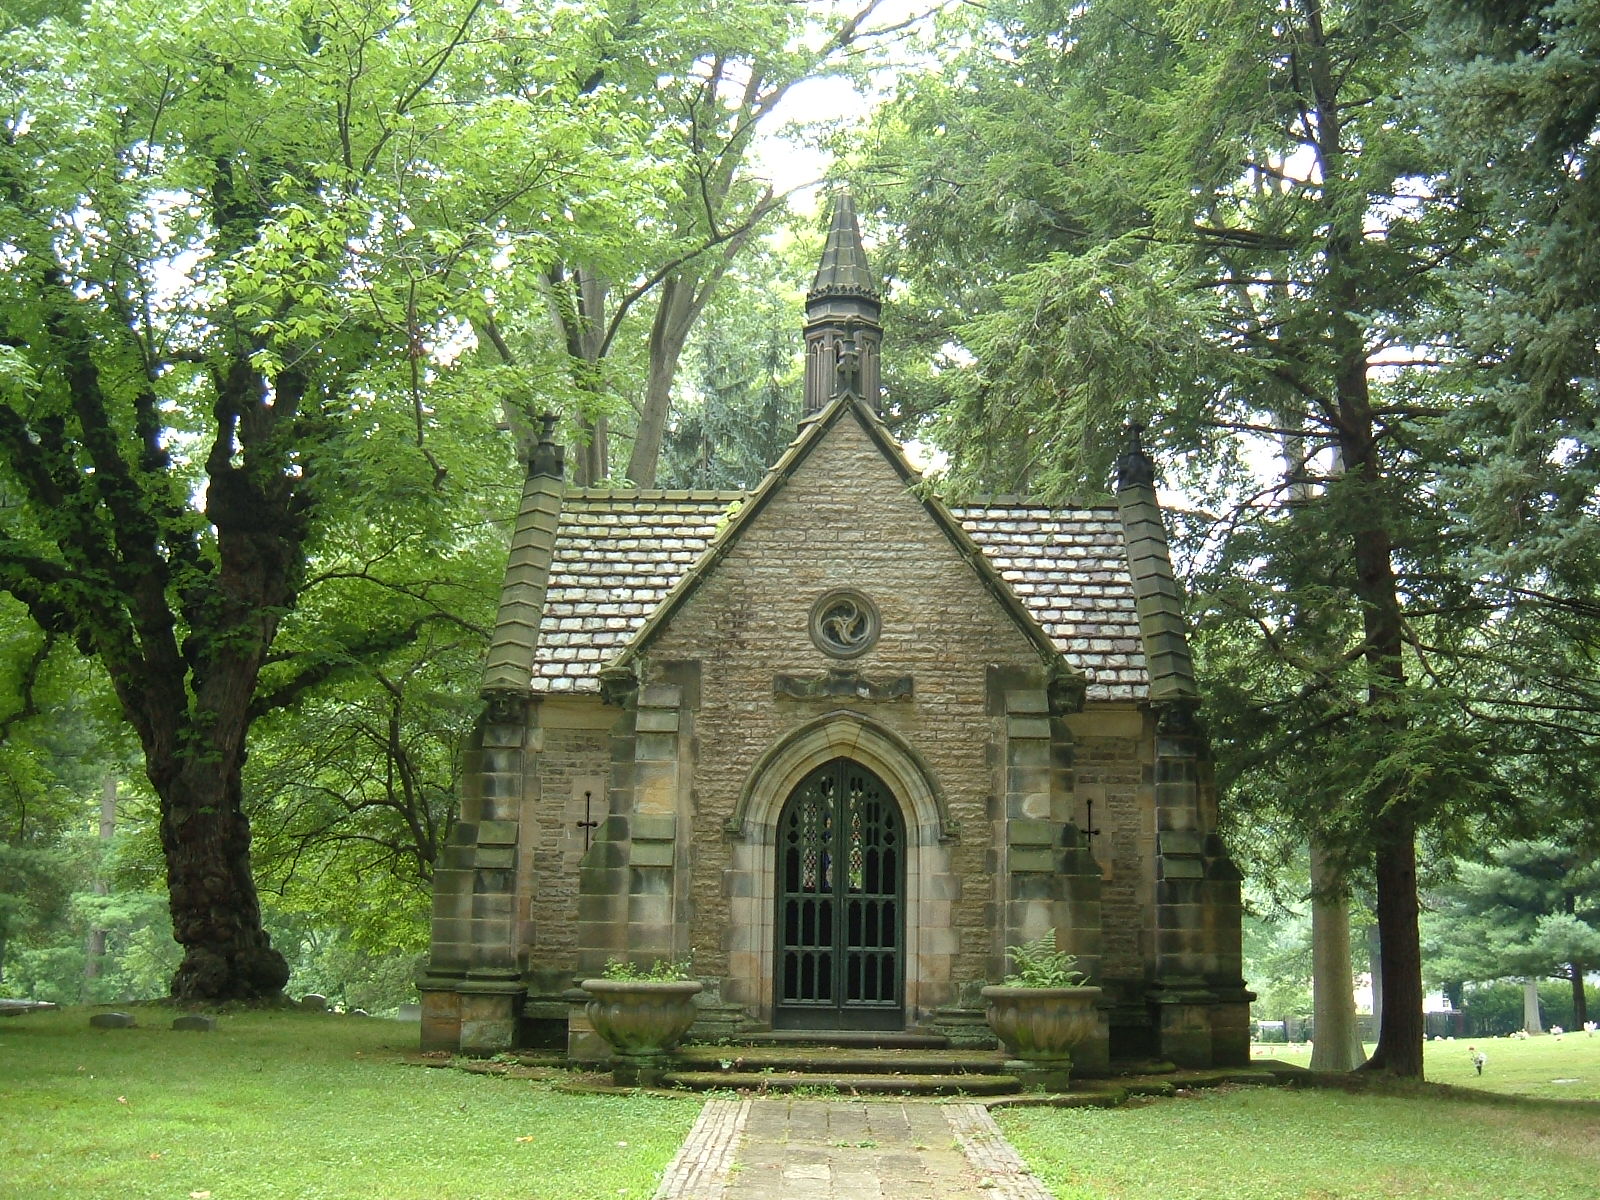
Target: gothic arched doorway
{"x": 840, "y": 901}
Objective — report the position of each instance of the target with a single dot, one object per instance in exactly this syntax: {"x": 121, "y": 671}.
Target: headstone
{"x": 358, "y": 1012}
{"x": 410, "y": 1012}
{"x": 198, "y": 1022}
{"x": 112, "y": 1020}
{"x": 314, "y": 1002}
{"x": 15, "y": 1008}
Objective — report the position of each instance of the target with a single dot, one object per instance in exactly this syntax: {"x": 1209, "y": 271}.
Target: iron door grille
{"x": 841, "y": 874}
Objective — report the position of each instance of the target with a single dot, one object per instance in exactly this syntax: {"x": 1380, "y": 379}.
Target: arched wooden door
{"x": 840, "y": 895}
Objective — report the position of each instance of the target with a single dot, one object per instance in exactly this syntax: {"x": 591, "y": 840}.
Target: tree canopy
{"x": 1242, "y": 225}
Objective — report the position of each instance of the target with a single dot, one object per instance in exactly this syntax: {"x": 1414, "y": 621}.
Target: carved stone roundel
{"x": 844, "y": 623}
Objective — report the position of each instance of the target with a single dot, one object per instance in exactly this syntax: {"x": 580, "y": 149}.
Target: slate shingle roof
{"x": 1069, "y": 568}
{"x": 618, "y": 553}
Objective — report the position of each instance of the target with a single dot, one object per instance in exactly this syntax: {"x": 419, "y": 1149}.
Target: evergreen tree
{"x": 1531, "y": 909}
{"x": 1217, "y": 218}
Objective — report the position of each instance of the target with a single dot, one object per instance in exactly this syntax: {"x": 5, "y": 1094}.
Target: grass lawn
{"x": 1501, "y": 1140}
{"x": 301, "y": 1106}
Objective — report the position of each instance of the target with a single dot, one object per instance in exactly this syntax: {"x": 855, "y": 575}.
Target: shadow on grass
{"x": 1378, "y": 1084}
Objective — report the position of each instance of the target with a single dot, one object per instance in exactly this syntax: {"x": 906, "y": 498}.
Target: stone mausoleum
{"x": 838, "y": 746}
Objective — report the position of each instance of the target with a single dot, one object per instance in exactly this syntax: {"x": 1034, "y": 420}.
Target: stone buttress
{"x": 473, "y": 986}
{"x": 1197, "y": 993}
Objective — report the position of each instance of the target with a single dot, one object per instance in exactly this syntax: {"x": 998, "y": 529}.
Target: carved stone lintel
{"x": 839, "y": 684}
{"x": 503, "y": 706}
{"x": 619, "y": 687}
{"x": 1179, "y": 718}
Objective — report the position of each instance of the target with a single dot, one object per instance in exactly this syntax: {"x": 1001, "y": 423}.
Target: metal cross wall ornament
{"x": 1089, "y": 829}
{"x": 588, "y": 823}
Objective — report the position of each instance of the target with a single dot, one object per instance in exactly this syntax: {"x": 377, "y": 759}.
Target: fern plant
{"x": 663, "y": 970}
{"x": 1039, "y": 964}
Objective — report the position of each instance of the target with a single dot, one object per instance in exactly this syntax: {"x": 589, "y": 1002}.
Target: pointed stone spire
{"x": 1156, "y": 591}
{"x": 508, "y": 668}
{"x": 842, "y": 331}
{"x": 843, "y": 270}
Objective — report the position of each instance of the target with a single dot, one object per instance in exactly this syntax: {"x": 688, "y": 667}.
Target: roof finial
{"x": 1135, "y": 468}
{"x": 548, "y": 458}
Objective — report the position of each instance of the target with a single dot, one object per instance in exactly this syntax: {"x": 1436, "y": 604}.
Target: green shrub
{"x": 1038, "y": 964}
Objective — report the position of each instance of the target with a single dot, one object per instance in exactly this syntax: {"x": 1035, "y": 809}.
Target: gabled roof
{"x": 624, "y": 560}
{"x": 811, "y": 434}
{"x": 1070, "y": 568}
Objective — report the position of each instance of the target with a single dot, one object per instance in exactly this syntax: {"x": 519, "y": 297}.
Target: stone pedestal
{"x": 964, "y": 1027}
{"x": 1091, "y": 1058}
{"x": 1183, "y": 1029}
{"x": 585, "y": 1047}
{"x": 488, "y": 1008}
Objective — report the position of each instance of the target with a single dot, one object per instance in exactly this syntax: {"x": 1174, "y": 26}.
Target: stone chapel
{"x": 838, "y": 745}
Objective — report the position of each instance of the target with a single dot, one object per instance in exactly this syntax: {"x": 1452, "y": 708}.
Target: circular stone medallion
{"x": 844, "y": 623}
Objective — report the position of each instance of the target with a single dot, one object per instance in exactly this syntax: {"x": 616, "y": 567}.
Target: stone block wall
{"x": 570, "y": 785}
{"x": 472, "y": 987}
{"x": 847, "y": 520}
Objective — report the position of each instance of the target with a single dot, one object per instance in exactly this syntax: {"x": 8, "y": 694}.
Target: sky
{"x": 789, "y": 165}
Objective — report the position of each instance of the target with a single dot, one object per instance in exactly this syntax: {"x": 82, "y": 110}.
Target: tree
{"x": 1511, "y": 89}
{"x": 1532, "y": 909}
{"x": 1220, "y": 213}
{"x": 233, "y": 236}
{"x": 740, "y": 405}
{"x": 614, "y": 316}
{"x": 359, "y": 783}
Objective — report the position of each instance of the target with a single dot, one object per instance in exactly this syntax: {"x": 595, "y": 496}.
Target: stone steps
{"x": 859, "y": 1039}
{"x": 840, "y": 1083}
{"x": 863, "y": 1066}
{"x": 840, "y": 1060}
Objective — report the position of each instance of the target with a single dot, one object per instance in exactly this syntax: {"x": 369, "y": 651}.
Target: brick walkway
{"x": 776, "y": 1148}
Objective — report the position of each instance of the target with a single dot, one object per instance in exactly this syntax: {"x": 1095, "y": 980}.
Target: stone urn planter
{"x": 1040, "y": 1027}
{"x": 1042, "y": 1013}
{"x": 643, "y": 1020}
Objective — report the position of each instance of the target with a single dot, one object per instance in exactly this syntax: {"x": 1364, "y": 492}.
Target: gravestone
{"x": 314, "y": 1002}
{"x": 15, "y": 1008}
{"x": 112, "y": 1020}
{"x": 409, "y": 1012}
{"x": 196, "y": 1022}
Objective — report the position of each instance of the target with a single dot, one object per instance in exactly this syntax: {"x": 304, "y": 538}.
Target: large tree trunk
{"x": 1365, "y": 511}
{"x": 1580, "y": 1002}
{"x": 1375, "y": 973}
{"x": 683, "y": 298}
{"x": 216, "y": 916}
{"x": 580, "y": 316}
{"x": 675, "y": 316}
{"x": 1531, "y": 1020}
{"x": 1333, "y": 1003}
{"x": 1400, "y": 1027}
{"x": 95, "y": 951}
